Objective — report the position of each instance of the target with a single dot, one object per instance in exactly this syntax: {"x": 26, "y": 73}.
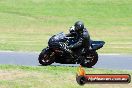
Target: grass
{"x": 50, "y": 77}
{"x": 26, "y": 25}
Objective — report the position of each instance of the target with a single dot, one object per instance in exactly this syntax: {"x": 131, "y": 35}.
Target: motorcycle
{"x": 57, "y": 52}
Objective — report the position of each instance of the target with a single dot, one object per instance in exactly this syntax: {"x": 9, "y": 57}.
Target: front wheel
{"x": 46, "y": 57}
{"x": 90, "y": 60}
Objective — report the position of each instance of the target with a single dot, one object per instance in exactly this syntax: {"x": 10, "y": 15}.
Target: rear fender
{"x": 95, "y": 45}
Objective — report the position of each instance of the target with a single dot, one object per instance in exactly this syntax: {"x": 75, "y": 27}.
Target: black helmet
{"x": 79, "y": 26}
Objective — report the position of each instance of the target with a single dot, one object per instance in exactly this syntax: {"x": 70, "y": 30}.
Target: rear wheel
{"x": 90, "y": 60}
{"x": 46, "y": 57}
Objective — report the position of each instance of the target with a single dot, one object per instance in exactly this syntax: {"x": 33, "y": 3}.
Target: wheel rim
{"x": 44, "y": 59}
{"x": 47, "y": 57}
{"x": 89, "y": 59}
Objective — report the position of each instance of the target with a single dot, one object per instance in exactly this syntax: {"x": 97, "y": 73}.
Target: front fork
{"x": 52, "y": 54}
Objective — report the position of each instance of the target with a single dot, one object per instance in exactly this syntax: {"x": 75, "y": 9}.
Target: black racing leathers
{"x": 82, "y": 38}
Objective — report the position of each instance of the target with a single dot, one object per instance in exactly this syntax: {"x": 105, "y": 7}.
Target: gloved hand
{"x": 72, "y": 29}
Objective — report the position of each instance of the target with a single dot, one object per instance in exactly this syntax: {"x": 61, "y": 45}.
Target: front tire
{"x": 90, "y": 60}
{"x": 46, "y": 57}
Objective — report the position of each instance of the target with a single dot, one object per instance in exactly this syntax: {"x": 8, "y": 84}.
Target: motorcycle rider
{"x": 82, "y": 37}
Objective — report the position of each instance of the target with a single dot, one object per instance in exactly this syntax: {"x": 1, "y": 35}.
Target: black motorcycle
{"x": 57, "y": 52}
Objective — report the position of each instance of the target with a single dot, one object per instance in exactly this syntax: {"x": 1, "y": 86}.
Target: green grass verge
{"x": 12, "y": 76}
{"x": 26, "y": 25}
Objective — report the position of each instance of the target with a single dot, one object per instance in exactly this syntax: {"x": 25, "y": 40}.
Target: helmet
{"x": 79, "y": 26}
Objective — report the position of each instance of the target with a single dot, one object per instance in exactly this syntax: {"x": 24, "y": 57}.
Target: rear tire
{"x": 90, "y": 60}
{"x": 46, "y": 57}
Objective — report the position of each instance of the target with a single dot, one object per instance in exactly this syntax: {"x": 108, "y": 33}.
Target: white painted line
{"x": 6, "y": 51}
{"x": 17, "y": 52}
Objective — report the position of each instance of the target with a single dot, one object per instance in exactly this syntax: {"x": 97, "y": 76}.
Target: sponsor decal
{"x": 83, "y": 78}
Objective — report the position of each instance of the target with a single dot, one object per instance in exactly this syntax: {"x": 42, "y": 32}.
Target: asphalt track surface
{"x": 107, "y": 61}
